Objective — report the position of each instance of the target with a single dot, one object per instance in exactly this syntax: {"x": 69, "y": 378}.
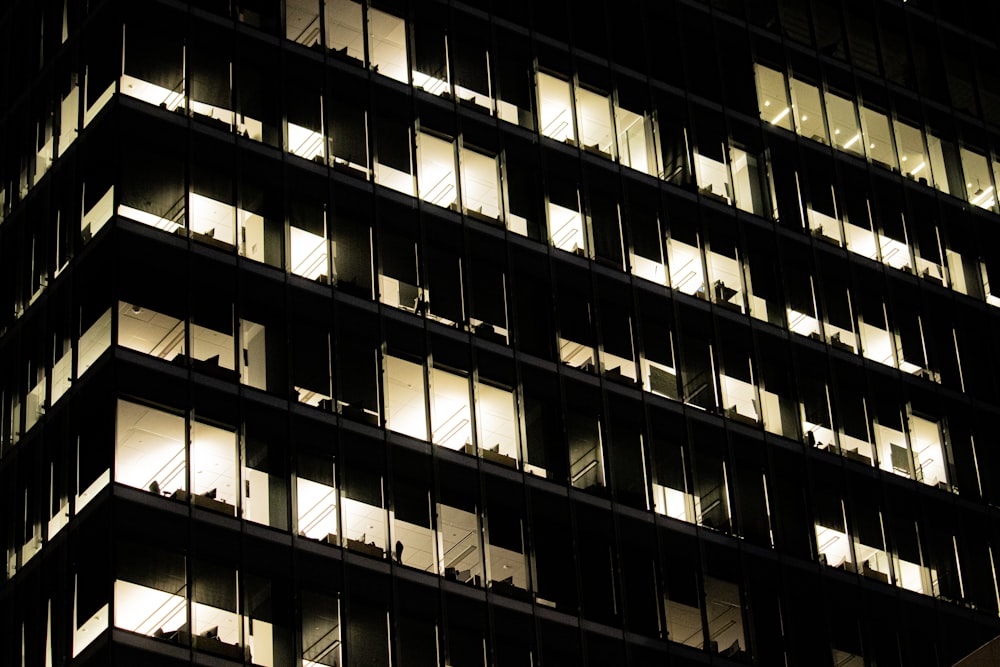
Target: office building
{"x": 480, "y": 333}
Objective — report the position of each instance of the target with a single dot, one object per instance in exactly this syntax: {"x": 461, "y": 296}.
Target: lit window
{"x": 772, "y": 98}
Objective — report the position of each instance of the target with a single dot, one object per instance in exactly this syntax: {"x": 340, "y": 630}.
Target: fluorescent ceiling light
{"x": 780, "y": 116}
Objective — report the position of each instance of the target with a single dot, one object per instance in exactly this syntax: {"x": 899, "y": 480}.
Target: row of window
{"x": 437, "y": 394}
{"x": 483, "y": 412}
{"x": 573, "y": 112}
{"x": 830, "y": 118}
{"x": 487, "y": 534}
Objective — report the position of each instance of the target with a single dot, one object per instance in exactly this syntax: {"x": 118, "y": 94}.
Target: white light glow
{"x": 853, "y": 140}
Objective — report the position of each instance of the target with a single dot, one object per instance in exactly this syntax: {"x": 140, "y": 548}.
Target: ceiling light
{"x": 804, "y": 117}
{"x": 853, "y": 140}
{"x": 781, "y": 115}
{"x": 982, "y": 196}
{"x": 918, "y": 168}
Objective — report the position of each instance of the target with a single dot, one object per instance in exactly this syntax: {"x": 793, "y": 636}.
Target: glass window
{"x": 264, "y": 469}
{"x": 978, "y": 187}
{"x": 724, "y": 613}
{"x": 215, "y": 619}
{"x": 214, "y": 481}
{"x": 594, "y": 120}
{"x": 315, "y": 486}
{"x": 436, "y": 170}
{"x": 451, "y": 417}
{"x": 496, "y": 413}
{"x": 430, "y": 51}
{"x": 151, "y": 592}
{"x": 725, "y": 270}
{"x": 682, "y": 594}
{"x": 585, "y": 438}
{"x": 507, "y": 549}
{"x": 843, "y": 122}
{"x": 404, "y": 396}
{"x": 302, "y": 23}
{"x": 878, "y": 137}
{"x": 153, "y": 65}
{"x": 808, "y": 111}
{"x": 911, "y": 152}
{"x": 567, "y": 227}
{"x": 321, "y": 636}
{"x": 555, "y": 115}
{"x": 365, "y": 524}
{"x": 945, "y": 166}
{"x": 210, "y": 210}
{"x": 873, "y": 328}
{"x": 393, "y": 159}
{"x": 471, "y": 64}
{"x": 927, "y": 443}
{"x": 150, "y": 449}
{"x": 684, "y": 260}
{"x": 480, "y": 184}
{"x": 460, "y": 554}
{"x": 738, "y": 385}
{"x": 344, "y": 29}
{"x": 636, "y": 141}
{"x": 387, "y": 44}
{"x": 772, "y": 97}
{"x": 413, "y": 534}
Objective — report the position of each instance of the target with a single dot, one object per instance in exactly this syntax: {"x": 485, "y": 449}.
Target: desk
{"x": 204, "y": 502}
{"x": 854, "y": 455}
{"x": 839, "y": 344}
{"x": 368, "y": 548}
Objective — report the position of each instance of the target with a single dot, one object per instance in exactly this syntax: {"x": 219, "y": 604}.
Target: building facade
{"x": 481, "y": 333}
